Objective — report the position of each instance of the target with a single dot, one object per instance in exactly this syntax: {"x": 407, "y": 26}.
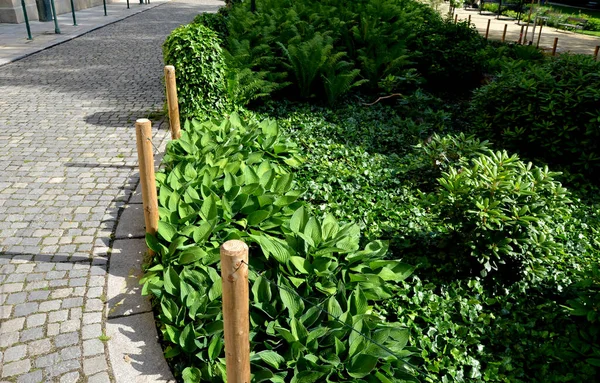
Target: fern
{"x": 339, "y": 78}
{"x": 306, "y": 59}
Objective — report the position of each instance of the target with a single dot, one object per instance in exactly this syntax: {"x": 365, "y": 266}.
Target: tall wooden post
{"x": 540, "y": 33}
{"x": 521, "y": 35}
{"x": 172, "y": 102}
{"x": 487, "y": 30}
{"x": 504, "y": 33}
{"x": 596, "y": 52}
{"x": 236, "y": 305}
{"x": 143, "y": 132}
{"x": 554, "y": 46}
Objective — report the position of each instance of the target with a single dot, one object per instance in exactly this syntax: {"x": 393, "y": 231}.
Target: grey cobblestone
{"x": 71, "y": 377}
{"x": 14, "y": 353}
{"x": 68, "y": 339}
{"x": 32, "y": 334}
{"x": 80, "y": 165}
{"x": 93, "y": 365}
{"x": 36, "y": 320}
{"x": 16, "y": 368}
{"x": 32, "y": 377}
{"x": 39, "y": 347}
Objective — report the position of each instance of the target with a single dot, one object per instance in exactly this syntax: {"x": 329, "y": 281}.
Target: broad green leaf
{"x": 187, "y": 338}
{"x": 271, "y": 358}
{"x": 272, "y": 247}
{"x": 191, "y": 375}
{"x": 299, "y": 220}
{"x": 257, "y": 217}
{"x": 290, "y": 301}
{"x": 361, "y": 365}
{"x": 166, "y": 230}
{"x": 191, "y": 255}
{"x": 301, "y": 264}
{"x": 208, "y": 211}
{"x": 313, "y": 230}
{"x": 215, "y": 347}
{"x": 202, "y": 232}
{"x": 171, "y": 281}
{"x": 329, "y": 227}
{"x": 307, "y": 377}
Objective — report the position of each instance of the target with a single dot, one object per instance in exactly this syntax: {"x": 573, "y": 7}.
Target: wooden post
{"x": 554, "y": 46}
{"x": 596, "y": 52}
{"x": 487, "y": 30}
{"x": 172, "y": 102}
{"x": 455, "y": 18}
{"x": 521, "y": 35}
{"x": 469, "y": 19}
{"x": 143, "y": 131}
{"x": 540, "y": 33}
{"x": 504, "y": 33}
{"x": 236, "y": 305}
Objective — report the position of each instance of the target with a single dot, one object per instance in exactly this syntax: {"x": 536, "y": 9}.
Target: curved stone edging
{"x": 133, "y": 349}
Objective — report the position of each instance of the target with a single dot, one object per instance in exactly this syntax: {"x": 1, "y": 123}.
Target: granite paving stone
{"x": 68, "y": 171}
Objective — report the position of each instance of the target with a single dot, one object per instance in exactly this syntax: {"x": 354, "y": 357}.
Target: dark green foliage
{"x": 195, "y": 52}
{"x": 506, "y": 215}
{"x": 448, "y": 55}
{"x": 323, "y": 49}
{"x": 548, "y": 111}
{"x": 230, "y": 180}
{"x": 468, "y": 329}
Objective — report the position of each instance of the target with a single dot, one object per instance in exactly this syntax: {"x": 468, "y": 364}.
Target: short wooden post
{"x": 487, "y": 30}
{"x": 504, "y": 33}
{"x": 596, "y": 52}
{"x": 469, "y": 19}
{"x": 172, "y": 102}
{"x": 455, "y": 18}
{"x": 521, "y": 35}
{"x": 554, "y": 46}
{"x": 236, "y": 305}
{"x": 143, "y": 131}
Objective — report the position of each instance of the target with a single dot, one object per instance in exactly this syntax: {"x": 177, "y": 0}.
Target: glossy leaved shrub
{"x": 548, "y": 111}
{"x": 500, "y": 216}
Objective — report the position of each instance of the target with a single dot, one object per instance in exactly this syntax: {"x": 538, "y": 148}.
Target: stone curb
{"x": 133, "y": 349}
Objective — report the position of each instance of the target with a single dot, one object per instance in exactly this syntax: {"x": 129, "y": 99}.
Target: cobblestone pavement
{"x": 67, "y": 167}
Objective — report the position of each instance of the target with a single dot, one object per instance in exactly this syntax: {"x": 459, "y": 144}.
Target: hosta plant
{"x": 313, "y": 287}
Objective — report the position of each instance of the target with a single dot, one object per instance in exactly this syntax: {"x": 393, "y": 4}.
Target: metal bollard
{"x": 73, "y": 11}
{"x": 56, "y": 28}
{"x": 26, "y": 20}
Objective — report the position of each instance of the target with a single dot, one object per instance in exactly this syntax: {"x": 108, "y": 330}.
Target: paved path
{"x": 13, "y": 37}
{"x": 67, "y": 170}
{"x": 567, "y": 41}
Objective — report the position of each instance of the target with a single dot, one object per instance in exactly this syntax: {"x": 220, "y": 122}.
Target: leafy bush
{"x": 447, "y": 55}
{"x": 233, "y": 181}
{"x": 549, "y": 111}
{"x": 587, "y": 305}
{"x": 501, "y": 212}
{"x": 467, "y": 330}
{"x": 195, "y": 52}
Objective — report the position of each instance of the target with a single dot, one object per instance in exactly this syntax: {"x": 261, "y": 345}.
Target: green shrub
{"x": 587, "y": 305}
{"x": 548, "y": 111}
{"x": 195, "y": 52}
{"x": 215, "y": 22}
{"x": 506, "y": 215}
{"x": 447, "y": 55}
{"x": 231, "y": 180}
